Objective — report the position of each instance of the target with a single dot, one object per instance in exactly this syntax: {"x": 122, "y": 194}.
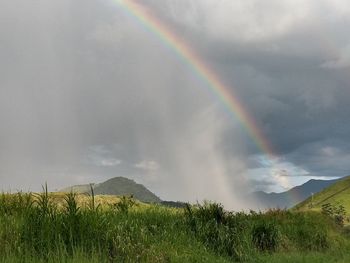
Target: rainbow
{"x": 201, "y": 69}
{"x": 225, "y": 94}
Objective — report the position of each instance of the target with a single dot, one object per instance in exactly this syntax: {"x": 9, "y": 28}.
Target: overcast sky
{"x": 88, "y": 93}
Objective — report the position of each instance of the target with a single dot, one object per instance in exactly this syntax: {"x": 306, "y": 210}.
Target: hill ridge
{"x": 299, "y": 194}
{"x": 117, "y": 186}
{"x": 337, "y": 193}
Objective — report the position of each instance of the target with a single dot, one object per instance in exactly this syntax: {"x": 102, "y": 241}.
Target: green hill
{"x": 117, "y": 186}
{"x": 336, "y": 194}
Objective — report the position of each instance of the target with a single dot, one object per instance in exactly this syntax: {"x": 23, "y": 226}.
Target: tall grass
{"x": 240, "y": 235}
{"x": 34, "y": 228}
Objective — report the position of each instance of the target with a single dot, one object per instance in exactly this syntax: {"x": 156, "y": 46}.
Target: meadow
{"x": 54, "y": 227}
{"x": 336, "y": 195}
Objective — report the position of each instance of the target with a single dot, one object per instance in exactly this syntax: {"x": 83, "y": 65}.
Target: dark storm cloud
{"x": 292, "y": 76}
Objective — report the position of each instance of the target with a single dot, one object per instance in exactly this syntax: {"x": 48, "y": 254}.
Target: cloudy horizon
{"x": 88, "y": 93}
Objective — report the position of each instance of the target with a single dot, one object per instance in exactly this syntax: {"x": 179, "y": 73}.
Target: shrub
{"x": 125, "y": 203}
{"x": 221, "y": 231}
{"x": 266, "y": 236}
{"x": 338, "y": 213}
{"x": 209, "y": 211}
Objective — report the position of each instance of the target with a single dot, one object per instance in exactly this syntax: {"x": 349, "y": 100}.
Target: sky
{"x": 87, "y": 92}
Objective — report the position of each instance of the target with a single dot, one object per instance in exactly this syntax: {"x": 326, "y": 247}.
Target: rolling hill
{"x": 291, "y": 197}
{"x": 336, "y": 194}
{"x": 117, "y": 186}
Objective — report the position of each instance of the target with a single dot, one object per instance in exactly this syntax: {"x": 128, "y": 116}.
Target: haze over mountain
{"x": 262, "y": 200}
{"x": 291, "y": 197}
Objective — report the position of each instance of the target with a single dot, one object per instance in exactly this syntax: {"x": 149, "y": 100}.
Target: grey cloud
{"x": 86, "y": 93}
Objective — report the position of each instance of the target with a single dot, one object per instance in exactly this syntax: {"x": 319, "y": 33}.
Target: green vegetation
{"x": 117, "y": 186}
{"x": 78, "y": 228}
{"x": 333, "y": 200}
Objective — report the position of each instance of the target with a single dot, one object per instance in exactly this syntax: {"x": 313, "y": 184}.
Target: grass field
{"x": 79, "y": 228}
{"x": 336, "y": 194}
{"x": 333, "y": 200}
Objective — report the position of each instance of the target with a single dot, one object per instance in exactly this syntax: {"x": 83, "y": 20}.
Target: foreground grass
{"x": 46, "y": 228}
{"x": 303, "y": 258}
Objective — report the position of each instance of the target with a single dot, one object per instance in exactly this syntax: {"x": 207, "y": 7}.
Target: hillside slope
{"x": 125, "y": 186}
{"x": 291, "y": 197}
{"x": 336, "y": 194}
{"x": 118, "y": 186}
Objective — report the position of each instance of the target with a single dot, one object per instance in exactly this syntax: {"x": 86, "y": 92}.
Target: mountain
{"x": 117, "y": 186}
{"x": 291, "y": 197}
{"x": 336, "y": 194}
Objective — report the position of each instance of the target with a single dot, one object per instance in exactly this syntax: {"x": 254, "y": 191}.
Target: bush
{"x": 125, "y": 203}
{"x": 211, "y": 211}
{"x": 266, "y": 236}
{"x": 338, "y": 213}
{"x": 223, "y": 232}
